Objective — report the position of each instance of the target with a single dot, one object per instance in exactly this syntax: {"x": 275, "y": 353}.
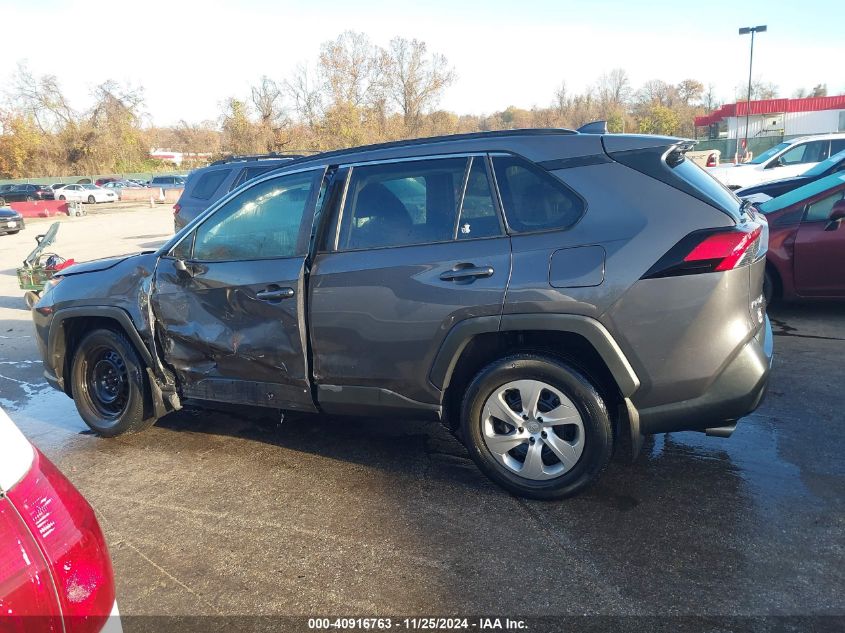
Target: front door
{"x": 819, "y": 261}
{"x": 418, "y": 247}
{"x": 228, "y": 298}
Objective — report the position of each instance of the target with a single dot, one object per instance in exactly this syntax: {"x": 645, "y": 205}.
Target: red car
{"x": 806, "y": 257}
{"x": 55, "y": 570}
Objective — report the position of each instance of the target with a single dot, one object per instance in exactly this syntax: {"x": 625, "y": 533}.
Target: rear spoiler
{"x": 594, "y": 127}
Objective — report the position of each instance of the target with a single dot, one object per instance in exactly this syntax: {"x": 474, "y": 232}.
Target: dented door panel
{"x": 226, "y": 343}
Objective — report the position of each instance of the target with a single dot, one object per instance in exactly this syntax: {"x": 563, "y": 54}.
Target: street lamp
{"x": 745, "y": 31}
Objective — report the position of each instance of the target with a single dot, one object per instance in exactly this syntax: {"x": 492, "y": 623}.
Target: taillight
{"x": 711, "y": 161}
{"x": 65, "y": 528}
{"x": 27, "y": 593}
{"x": 710, "y": 251}
{"x": 177, "y": 208}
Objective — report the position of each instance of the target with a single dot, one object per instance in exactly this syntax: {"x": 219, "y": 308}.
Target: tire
{"x": 108, "y": 384}
{"x": 30, "y": 199}
{"x": 62, "y": 198}
{"x": 2, "y": 202}
{"x": 13, "y": 232}
{"x": 585, "y": 438}
{"x": 91, "y": 200}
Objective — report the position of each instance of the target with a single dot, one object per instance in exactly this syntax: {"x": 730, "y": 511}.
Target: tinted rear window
{"x": 711, "y": 190}
{"x": 208, "y": 183}
{"x": 670, "y": 166}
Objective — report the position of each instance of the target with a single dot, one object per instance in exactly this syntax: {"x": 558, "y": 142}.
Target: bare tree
{"x": 267, "y": 101}
{"x": 415, "y": 80}
{"x": 305, "y": 94}
{"x": 350, "y": 67}
{"x": 561, "y": 100}
{"x": 41, "y": 98}
{"x": 613, "y": 89}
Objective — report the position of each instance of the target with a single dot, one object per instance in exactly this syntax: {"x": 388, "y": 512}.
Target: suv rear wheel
{"x": 536, "y": 426}
{"x": 108, "y": 384}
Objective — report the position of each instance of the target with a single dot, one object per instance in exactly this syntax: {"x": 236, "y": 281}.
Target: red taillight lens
{"x": 27, "y": 593}
{"x": 177, "y": 208}
{"x": 68, "y": 534}
{"x": 711, "y": 161}
{"x": 729, "y": 248}
{"x": 711, "y": 251}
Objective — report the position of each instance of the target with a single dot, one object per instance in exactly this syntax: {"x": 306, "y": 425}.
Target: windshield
{"x": 823, "y": 166}
{"x": 762, "y": 158}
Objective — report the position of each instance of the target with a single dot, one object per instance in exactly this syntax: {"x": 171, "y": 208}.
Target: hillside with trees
{"x": 354, "y": 92}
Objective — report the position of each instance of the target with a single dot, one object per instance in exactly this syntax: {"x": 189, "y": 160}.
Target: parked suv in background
{"x": 167, "y": 182}
{"x": 542, "y": 292}
{"x": 784, "y": 160}
{"x": 208, "y": 184}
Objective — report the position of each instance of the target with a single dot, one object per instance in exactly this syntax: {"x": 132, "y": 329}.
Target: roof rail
{"x": 246, "y": 157}
{"x": 426, "y": 140}
{"x": 594, "y": 127}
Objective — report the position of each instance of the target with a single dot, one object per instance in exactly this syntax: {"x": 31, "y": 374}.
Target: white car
{"x": 784, "y": 160}
{"x": 56, "y": 574}
{"x": 85, "y": 193}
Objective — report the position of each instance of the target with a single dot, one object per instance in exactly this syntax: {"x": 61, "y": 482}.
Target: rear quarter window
{"x": 533, "y": 199}
{"x": 208, "y": 183}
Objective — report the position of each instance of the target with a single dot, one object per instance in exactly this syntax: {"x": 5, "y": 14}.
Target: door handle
{"x": 275, "y": 294}
{"x": 466, "y": 273}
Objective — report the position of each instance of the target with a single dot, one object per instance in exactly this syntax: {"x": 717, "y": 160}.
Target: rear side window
{"x": 404, "y": 203}
{"x": 208, "y": 183}
{"x": 479, "y": 217}
{"x": 533, "y": 199}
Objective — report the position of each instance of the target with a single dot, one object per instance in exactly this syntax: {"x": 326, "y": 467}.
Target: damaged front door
{"x": 229, "y": 297}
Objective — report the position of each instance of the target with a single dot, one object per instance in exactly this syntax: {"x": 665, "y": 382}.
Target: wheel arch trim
{"x": 57, "y": 341}
{"x": 590, "y": 329}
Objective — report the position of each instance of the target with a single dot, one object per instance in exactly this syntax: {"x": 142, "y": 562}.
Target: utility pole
{"x": 745, "y": 31}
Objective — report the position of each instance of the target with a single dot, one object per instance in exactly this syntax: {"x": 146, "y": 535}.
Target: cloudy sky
{"x": 189, "y": 56}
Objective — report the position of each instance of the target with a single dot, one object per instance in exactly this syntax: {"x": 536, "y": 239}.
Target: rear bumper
{"x": 737, "y": 391}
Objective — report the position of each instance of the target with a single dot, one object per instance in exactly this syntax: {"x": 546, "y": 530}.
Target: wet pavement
{"x": 215, "y": 512}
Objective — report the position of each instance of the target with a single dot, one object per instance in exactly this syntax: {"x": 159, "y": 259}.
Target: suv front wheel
{"x": 108, "y": 384}
{"x": 536, "y": 426}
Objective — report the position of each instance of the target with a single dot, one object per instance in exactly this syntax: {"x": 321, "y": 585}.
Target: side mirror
{"x": 182, "y": 268}
{"x": 837, "y": 214}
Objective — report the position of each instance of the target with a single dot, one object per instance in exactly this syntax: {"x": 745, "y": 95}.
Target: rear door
{"x": 229, "y": 297}
{"x": 819, "y": 261}
{"x": 416, "y": 247}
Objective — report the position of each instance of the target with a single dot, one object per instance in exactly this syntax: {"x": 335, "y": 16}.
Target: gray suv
{"x": 207, "y": 185}
{"x": 543, "y": 293}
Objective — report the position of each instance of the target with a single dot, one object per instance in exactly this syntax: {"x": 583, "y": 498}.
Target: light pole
{"x": 745, "y": 31}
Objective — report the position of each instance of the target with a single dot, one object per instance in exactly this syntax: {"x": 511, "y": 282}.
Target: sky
{"x": 190, "y": 56}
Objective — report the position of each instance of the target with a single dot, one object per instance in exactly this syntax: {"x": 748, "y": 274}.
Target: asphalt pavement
{"x": 244, "y": 513}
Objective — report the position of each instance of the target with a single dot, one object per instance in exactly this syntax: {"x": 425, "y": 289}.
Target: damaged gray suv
{"x": 546, "y": 294}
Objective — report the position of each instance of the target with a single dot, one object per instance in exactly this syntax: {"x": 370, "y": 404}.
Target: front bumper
{"x": 737, "y": 391}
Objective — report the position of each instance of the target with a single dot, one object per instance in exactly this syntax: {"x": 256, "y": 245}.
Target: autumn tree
{"x": 414, "y": 79}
